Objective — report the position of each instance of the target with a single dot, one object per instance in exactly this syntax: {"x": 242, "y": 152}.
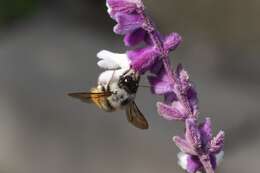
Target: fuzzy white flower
{"x": 114, "y": 63}
{"x": 183, "y": 160}
{"x": 109, "y": 76}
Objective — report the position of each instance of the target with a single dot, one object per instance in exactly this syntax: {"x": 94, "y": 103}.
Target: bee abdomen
{"x": 106, "y": 106}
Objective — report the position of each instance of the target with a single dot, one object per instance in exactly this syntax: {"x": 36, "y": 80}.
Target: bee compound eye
{"x": 128, "y": 79}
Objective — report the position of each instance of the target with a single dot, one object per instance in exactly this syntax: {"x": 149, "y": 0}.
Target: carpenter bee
{"x": 118, "y": 94}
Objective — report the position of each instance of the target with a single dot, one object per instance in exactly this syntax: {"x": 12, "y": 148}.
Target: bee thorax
{"x": 119, "y": 97}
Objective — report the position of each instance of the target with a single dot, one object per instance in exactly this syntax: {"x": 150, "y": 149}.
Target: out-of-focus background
{"x": 48, "y": 48}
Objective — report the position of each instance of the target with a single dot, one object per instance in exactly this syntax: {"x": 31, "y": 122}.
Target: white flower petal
{"x": 104, "y": 77}
{"x": 107, "y": 64}
{"x": 110, "y": 76}
{"x": 109, "y": 10}
{"x": 183, "y": 160}
{"x": 112, "y": 61}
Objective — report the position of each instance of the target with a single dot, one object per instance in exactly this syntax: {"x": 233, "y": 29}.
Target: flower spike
{"x": 200, "y": 151}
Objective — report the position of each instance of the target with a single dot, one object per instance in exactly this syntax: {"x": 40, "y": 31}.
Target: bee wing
{"x": 135, "y": 116}
{"x": 89, "y": 97}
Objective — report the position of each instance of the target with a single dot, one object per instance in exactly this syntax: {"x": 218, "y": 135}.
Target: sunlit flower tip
{"x": 171, "y": 112}
{"x": 113, "y": 61}
{"x": 172, "y": 41}
{"x": 135, "y": 37}
{"x": 127, "y": 23}
{"x": 123, "y": 6}
{"x": 217, "y": 143}
{"x": 143, "y": 59}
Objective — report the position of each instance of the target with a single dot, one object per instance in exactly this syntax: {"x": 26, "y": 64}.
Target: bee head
{"x": 129, "y": 82}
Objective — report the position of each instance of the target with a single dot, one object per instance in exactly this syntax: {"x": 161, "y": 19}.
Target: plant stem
{"x": 158, "y": 43}
{"x": 181, "y": 96}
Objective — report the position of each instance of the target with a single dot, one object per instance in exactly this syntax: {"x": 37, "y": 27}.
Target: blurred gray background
{"x": 48, "y": 48}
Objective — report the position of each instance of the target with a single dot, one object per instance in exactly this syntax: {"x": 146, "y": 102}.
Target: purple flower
{"x": 143, "y": 59}
{"x": 172, "y": 109}
{"x": 135, "y": 37}
{"x": 198, "y": 144}
{"x": 124, "y": 6}
{"x": 172, "y": 112}
{"x": 172, "y": 41}
{"x": 130, "y": 21}
{"x": 149, "y": 58}
{"x": 192, "y": 164}
{"x": 129, "y": 15}
{"x": 188, "y": 89}
{"x": 161, "y": 84}
{"x": 127, "y": 23}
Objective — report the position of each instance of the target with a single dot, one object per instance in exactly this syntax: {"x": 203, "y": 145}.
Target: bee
{"x": 118, "y": 94}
